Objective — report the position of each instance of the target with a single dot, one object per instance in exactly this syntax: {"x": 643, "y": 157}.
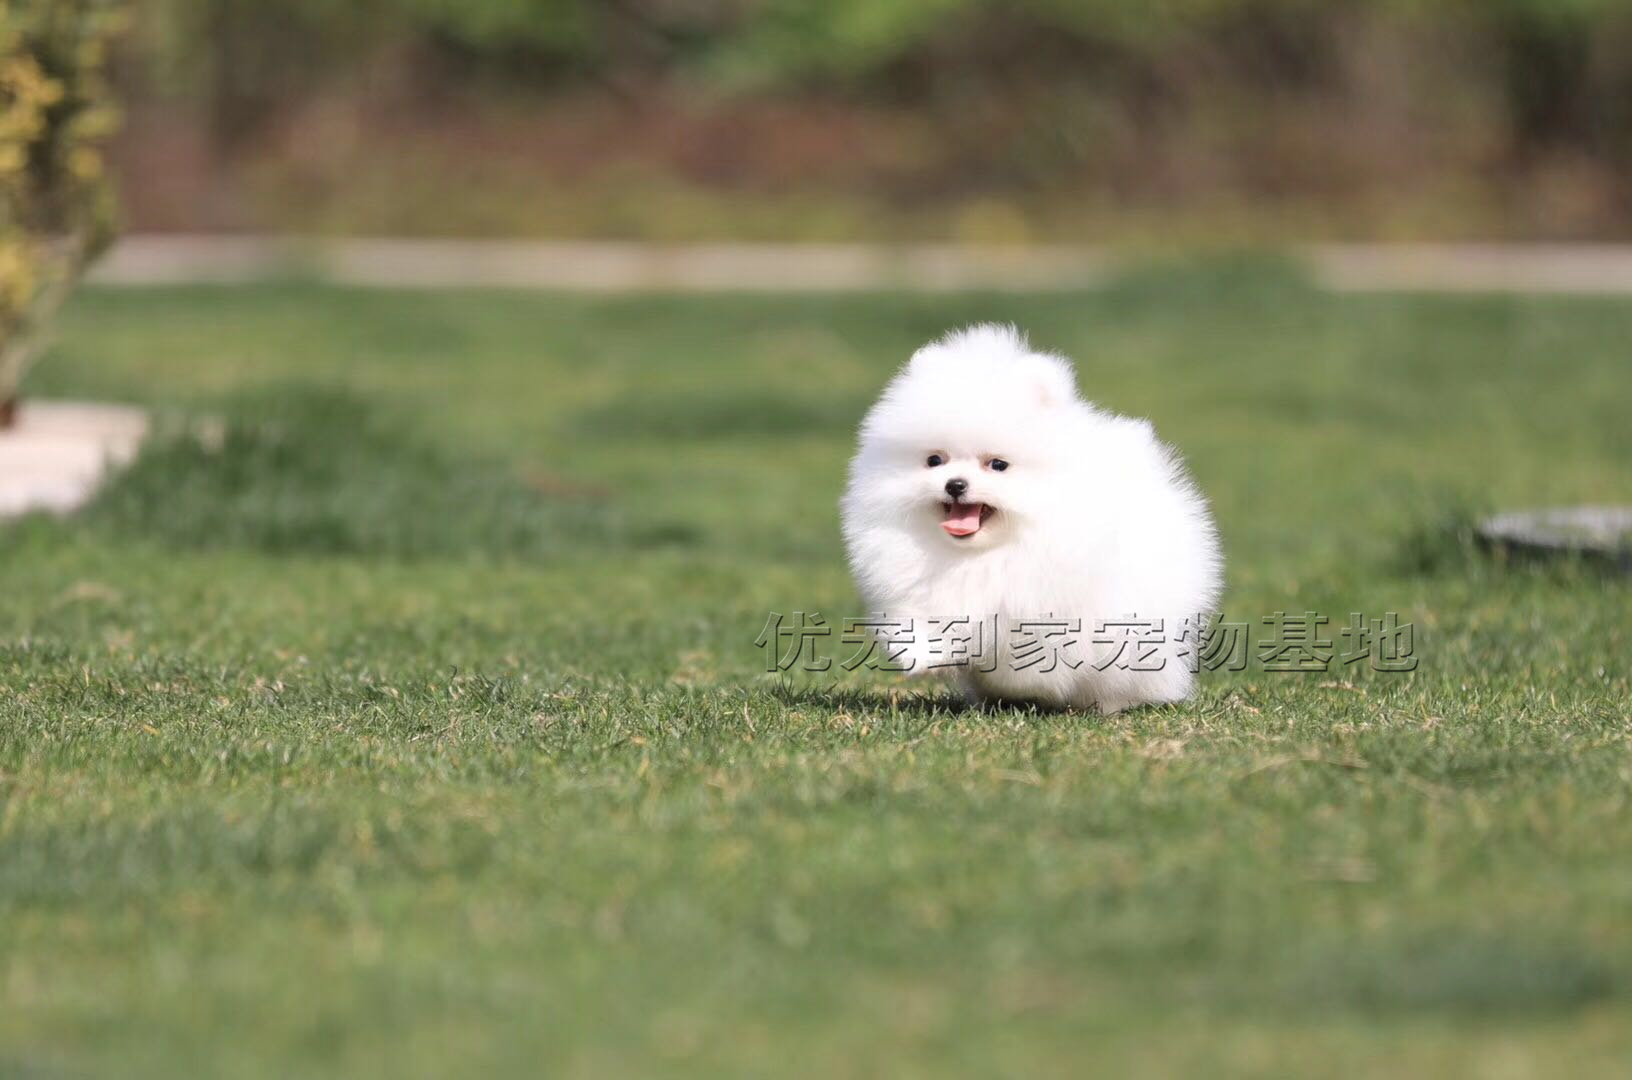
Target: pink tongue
{"x": 962, "y": 519}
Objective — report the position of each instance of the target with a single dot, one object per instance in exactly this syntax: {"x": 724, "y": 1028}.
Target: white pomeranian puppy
{"x": 1006, "y": 531}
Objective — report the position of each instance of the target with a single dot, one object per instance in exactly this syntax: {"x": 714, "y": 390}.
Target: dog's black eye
{"x": 997, "y": 464}
{"x": 935, "y": 460}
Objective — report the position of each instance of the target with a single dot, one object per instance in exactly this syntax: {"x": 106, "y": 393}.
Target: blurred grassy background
{"x": 1218, "y": 121}
{"x": 398, "y": 713}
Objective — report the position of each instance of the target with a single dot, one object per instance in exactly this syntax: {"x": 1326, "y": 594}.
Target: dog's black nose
{"x": 956, "y": 488}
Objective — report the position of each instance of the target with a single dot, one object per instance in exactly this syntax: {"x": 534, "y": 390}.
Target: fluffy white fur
{"x": 1093, "y": 518}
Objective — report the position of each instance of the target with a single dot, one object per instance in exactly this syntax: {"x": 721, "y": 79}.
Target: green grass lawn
{"x": 399, "y": 712}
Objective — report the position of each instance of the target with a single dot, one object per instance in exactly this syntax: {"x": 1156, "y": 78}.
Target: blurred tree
{"x": 55, "y": 206}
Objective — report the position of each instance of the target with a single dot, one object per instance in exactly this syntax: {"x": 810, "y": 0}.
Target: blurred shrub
{"x": 1506, "y": 116}
{"x": 1561, "y": 65}
{"x": 246, "y": 57}
{"x": 54, "y": 197}
{"x": 778, "y": 42}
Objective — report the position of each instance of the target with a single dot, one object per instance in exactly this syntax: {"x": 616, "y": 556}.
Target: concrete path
{"x": 620, "y": 267}
{"x": 57, "y": 453}
{"x": 1557, "y": 268}
{"x": 597, "y": 266}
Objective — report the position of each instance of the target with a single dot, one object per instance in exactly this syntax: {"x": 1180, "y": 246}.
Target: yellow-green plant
{"x": 55, "y": 202}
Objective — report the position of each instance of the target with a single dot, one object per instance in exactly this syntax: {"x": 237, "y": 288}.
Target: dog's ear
{"x": 1054, "y": 380}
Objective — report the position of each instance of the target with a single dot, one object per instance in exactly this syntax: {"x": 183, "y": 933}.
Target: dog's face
{"x": 966, "y": 447}
{"x": 951, "y": 490}
{"x": 968, "y": 500}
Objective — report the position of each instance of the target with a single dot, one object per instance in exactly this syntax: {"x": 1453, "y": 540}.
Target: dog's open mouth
{"x": 962, "y": 520}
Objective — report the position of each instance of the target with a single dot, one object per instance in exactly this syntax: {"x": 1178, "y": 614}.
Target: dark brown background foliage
{"x": 974, "y": 119}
